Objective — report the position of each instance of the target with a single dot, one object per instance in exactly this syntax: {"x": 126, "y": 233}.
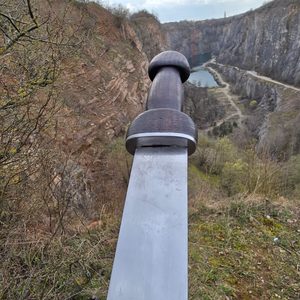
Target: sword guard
{"x": 162, "y": 127}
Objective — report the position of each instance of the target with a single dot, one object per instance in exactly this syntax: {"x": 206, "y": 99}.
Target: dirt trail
{"x": 225, "y": 89}
{"x": 254, "y": 74}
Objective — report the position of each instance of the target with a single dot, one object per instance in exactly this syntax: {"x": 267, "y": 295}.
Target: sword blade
{"x": 151, "y": 256}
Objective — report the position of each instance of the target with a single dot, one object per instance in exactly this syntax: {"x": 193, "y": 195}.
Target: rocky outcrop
{"x": 266, "y": 40}
{"x": 149, "y": 32}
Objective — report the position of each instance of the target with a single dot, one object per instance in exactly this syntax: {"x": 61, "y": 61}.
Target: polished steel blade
{"x": 151, "y": 256}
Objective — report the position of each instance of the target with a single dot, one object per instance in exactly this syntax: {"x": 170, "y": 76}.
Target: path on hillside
{"x": 231, "y": 98}
{"x": 225, "y": 88}
{"x": 254, "y": 74}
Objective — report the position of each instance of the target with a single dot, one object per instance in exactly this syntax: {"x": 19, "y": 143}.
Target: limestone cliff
{"x": 266, "y": 40}
{"x": 275, "y": 116}
{"x": 149, "y": 32}
{"x": 103, "y": 88}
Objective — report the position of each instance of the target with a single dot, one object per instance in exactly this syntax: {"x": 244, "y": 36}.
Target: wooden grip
{"x": 166, "y": 90}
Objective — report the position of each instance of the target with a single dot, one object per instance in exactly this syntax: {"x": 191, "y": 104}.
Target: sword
{"x": 152, "y": 253}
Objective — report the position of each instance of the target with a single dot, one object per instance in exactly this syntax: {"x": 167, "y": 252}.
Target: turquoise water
{"x": 202, "y": 78}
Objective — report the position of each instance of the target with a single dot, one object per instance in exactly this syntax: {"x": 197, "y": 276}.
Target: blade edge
{"x": 151, "y": 256}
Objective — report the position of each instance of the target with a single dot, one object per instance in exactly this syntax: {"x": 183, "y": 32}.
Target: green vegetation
{"x": 243, "y": 171}
{"x": 253, "y": 104}
{"x": 244, "y": 250}
{"x": 224, "y": 129}
{"x": 244, "y": 237}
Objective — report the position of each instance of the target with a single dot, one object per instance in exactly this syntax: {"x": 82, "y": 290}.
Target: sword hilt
{"x": 163, "y": 124}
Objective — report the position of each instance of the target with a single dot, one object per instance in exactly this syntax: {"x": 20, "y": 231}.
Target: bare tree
{"x": 32, "y": 47}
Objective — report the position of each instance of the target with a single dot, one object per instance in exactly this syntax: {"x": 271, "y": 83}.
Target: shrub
{"x": 224, "y": 129}
{"x": 233, "y": 177}
{"x": 213, "y": 154}
{"x": 242, "y": 170}
{"x": 290, "y": 178}
{"x": 253, "y": 104}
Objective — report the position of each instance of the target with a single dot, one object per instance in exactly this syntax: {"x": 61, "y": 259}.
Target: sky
{"x": 176, "y": 10}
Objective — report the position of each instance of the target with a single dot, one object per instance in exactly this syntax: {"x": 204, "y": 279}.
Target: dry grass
{"x": 76, "y": 265}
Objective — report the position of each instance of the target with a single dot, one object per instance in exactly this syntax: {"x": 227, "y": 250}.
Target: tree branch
{"x": 10, "y": 21}
{"x": 21, "y": 34}
{"x": 31, "y": 13}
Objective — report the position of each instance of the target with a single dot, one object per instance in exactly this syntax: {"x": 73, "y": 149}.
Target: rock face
{"x": 266, "y": 40}
{"x": 101, "y": 89}
{"x": 274, "y": 121}
{"x": 149, "y": 32}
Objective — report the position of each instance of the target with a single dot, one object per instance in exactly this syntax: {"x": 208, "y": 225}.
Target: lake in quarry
{"x": 202, "y": 78}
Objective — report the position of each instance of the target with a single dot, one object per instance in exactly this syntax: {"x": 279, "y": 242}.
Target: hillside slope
{"x": 103, "y": 87}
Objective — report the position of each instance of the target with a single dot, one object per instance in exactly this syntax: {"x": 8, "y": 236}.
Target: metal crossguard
{"x": 152, "y": 255}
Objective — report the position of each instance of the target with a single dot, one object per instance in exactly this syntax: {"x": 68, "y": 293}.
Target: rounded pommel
{"x": 170, "y": 59}
{"x": 162, "y": 127}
